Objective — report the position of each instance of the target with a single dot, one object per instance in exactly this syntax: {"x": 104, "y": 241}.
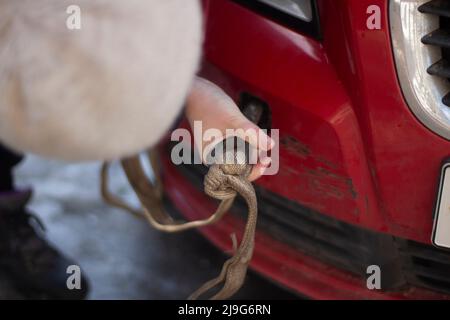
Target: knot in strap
{"x": 219, "y": 180}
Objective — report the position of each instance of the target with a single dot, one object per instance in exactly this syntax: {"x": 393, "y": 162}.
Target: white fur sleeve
{"x": 107, "y": 90}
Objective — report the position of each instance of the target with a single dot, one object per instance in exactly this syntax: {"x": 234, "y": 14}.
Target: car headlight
{"x": 301, "y": 9}
{"x": 299, "y": 15}
{"x": 420, "y": 42}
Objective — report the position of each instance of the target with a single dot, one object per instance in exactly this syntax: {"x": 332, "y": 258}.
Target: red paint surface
{"x": 276, "y": 260}
{"x": 351, "y": 147}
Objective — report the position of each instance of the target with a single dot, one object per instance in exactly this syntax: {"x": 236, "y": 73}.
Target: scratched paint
{"x": 294, "y": 146}
{"x": 318, "y": 171}
{"x": 314, "y": 179}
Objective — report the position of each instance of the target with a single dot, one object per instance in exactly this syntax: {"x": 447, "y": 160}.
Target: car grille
{"x": 425, "y": 265}
{"x": 439, "y": 38}
{"x": 343, "y": 245}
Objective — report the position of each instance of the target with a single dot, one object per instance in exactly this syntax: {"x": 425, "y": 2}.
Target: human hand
{"x": 216, "y": 110}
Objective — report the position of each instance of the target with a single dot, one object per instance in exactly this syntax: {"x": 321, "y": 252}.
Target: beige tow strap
{"x": 222, "y": 182}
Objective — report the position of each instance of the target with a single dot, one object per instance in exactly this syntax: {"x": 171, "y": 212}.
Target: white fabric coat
{"x": 107, "y": 90}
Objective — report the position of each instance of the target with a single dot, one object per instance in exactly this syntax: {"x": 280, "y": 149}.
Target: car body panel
{"x": 350, "y": 147}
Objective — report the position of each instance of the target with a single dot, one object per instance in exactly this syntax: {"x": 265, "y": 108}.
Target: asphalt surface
{"x": 122, "y": 256}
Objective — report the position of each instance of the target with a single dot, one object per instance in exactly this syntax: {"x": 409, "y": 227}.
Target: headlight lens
{"x": 301, "y": 9}
{"x": 422, "y": 91}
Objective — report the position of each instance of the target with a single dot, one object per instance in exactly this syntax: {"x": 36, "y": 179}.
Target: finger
{"x": 248, "y": 131}
{"x": 257, "y": 172}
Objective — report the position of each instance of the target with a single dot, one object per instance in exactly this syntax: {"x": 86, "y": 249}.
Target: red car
{"x": 359, "y": 92}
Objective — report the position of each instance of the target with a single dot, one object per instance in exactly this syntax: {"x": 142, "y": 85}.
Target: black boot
{"x": 35, "y": 268}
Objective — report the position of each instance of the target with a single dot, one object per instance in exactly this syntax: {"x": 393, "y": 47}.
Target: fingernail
{"x": 265, "y": 161}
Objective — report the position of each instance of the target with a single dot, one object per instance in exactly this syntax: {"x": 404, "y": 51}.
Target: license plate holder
{"x": 441, "y": 224}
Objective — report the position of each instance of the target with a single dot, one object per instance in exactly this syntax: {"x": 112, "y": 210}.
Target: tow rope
{"x": 223, "y": 182}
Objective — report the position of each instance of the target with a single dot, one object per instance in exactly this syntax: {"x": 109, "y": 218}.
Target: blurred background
{"x": 122, "y": 256}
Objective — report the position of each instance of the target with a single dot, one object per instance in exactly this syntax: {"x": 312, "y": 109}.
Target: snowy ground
{"x": 122, "y": 256}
